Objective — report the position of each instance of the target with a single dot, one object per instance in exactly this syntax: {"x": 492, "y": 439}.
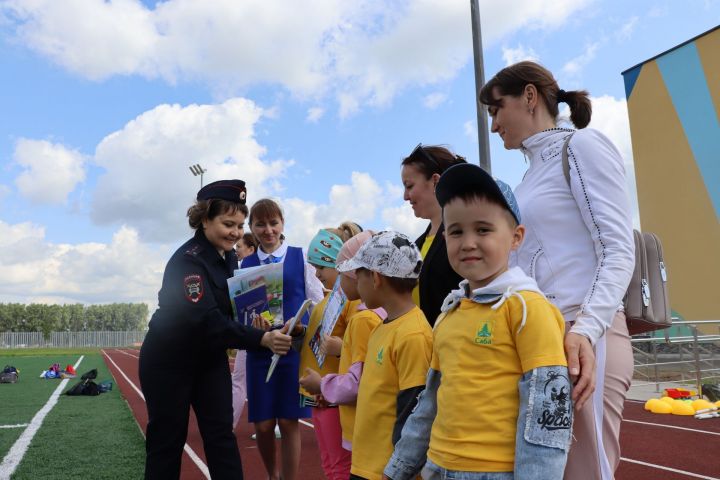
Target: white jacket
{"x": 578, "y": 244}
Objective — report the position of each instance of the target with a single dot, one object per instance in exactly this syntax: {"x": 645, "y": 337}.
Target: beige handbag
{"x": 646, "y": 302}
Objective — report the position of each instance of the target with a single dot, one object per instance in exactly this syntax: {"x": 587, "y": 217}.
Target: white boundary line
{"x": 191, "y": 453}
{"x": 682, "y": 472}
{"x": 126, "y": 353}
{"x": 17, "y": 451}
{"x": 19, "y": 425}
{"x": 671, "y": 426}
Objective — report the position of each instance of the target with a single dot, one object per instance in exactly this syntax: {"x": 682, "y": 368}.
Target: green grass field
{"x": 82, "y": 437}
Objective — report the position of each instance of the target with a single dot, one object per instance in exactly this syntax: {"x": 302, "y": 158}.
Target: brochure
{"x": 333, "y": 309}
{"x": 245, "y": 289}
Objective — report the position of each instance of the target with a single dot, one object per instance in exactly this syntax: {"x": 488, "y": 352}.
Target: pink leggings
{"x": 595, "y": 451}
{"x": 239, "y": 386}
{"x": 335, "y": 459}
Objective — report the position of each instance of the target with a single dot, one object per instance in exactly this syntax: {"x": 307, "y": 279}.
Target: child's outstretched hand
{"x": 311, "y": 381}
{"x": 331, "y": 345}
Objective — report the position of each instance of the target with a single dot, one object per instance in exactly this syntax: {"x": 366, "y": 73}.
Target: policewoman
{"x": 183, "y": 360}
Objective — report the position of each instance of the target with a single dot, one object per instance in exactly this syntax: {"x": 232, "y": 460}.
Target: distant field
{"x": 81, "y": 437}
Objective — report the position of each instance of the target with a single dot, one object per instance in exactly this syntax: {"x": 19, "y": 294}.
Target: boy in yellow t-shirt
{"x": 497, "y": 400}
{"x": 398, "y": 351}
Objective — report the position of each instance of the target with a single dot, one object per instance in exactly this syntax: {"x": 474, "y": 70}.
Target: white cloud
{"x": 626, "y": 30}
{"x": 50, "y": 171}
{"x": 363, "y": 201}
{"x": 518, "y": 54}
{"x": 434, "y": 100}
{"x": 575, "y": 65}
{"x": 402, "y": 219}
{"x": 314, "y": 114}
{"x": 357, "y": 202}
{"x": 470, "y": 130}
{"x": 124, "y": 270}
{"x": 359, "y": 53}
{"x": 147, "y": 184}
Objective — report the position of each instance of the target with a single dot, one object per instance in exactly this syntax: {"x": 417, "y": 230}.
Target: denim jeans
{"x": 435, "y": 472}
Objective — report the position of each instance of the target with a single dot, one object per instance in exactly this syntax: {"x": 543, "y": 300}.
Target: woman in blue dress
{"x": 278, "y": 400}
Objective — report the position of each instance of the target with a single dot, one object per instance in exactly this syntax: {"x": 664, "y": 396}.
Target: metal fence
{"x": 70, "y": 339}
{"x": 691, "y": 359}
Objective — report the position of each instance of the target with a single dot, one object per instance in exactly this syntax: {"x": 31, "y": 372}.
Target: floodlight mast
{"x": 482, "y": 118}
{"x": 198, "y": 170}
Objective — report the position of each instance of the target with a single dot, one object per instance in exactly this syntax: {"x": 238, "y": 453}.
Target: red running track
{"x": 654, "y": 447}
{"x": 123, "y": 364}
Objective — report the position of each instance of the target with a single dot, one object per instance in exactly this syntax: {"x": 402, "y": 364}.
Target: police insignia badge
{"x": 193, "y": 288}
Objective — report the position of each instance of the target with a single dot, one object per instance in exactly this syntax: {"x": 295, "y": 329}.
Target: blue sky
{"x": 106, "y": 104}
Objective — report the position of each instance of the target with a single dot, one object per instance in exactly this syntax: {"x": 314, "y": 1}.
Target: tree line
{"x": 36, "y": 317}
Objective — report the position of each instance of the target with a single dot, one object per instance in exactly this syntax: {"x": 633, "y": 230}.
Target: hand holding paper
{"x": 311, "y": 381}
{"x": 331, "y": 345}
{"x": 277, "y": 341}
{"x": 288, "y": 327}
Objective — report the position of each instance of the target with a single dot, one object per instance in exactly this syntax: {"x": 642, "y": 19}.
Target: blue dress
{"x": 280, "y": 397}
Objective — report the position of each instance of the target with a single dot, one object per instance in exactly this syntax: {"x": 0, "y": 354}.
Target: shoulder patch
{"x": 193, "y": 250}
{"x": 193, "y": 287}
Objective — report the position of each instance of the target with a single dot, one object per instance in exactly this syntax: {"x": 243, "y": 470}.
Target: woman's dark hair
{"x": 249, "y": 240}
{"x": 513, "y": 79}
{"x": 432, "y": 159}
{"x": 209, "y": 209}
{"x": 265, "y": 209}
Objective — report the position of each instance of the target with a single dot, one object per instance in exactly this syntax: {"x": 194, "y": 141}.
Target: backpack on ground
{"x": 9, "y": 374}
{"x": 646, "y": 302}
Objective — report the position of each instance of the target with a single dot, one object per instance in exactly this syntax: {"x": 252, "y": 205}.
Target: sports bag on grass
{"x": 646, "y": 302}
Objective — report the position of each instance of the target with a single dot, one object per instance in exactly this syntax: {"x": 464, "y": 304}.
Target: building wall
{"x": 673, "y": 104}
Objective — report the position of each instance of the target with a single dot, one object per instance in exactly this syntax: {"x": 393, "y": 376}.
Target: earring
{"x": 532, "y": 111}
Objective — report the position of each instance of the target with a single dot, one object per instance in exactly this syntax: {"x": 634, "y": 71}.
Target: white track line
{"x": 671, "y": 426}
{"x": 232, "y": 362}
{"x": 19, "y": 425}
{"x": 17, "y": 451}
{"x": 682, "y": 472}
{"x": 126, "y": 353}
{"x": 191, "y": 453}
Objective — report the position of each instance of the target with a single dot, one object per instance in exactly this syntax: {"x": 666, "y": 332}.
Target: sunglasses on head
{"x": 426, "y": 158}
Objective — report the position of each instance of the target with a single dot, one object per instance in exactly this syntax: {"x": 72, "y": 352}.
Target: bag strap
{"x": 565, "y": 162}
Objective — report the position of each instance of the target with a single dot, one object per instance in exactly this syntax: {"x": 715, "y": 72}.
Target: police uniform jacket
{"x": 194, "y": 312}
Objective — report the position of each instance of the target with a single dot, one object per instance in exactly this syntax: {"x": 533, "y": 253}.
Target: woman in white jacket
{"x": 578, "y": 246}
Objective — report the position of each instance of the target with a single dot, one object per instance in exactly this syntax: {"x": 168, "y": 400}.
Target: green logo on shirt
{"x": 379, "y": 358}
{"x": 484, "y": 335}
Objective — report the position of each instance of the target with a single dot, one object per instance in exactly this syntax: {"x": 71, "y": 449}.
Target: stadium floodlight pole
{"x": 198, "y": 170}
{"x": 482, "y": 118}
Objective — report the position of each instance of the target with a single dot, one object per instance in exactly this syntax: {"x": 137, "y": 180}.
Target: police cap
{"x": 230, "y": 190}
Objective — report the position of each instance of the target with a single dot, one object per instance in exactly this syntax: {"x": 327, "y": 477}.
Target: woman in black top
{"x": 183, "y": 360}
{"x": 420, "y": 173}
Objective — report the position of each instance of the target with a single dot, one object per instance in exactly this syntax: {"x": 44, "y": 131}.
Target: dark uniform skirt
{"x": 278, "y": 398}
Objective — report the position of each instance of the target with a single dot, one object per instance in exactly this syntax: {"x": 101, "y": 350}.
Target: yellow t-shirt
{"x": 398, "y": 358}
{"x": 307, "y": 357}
{"x": 355, "y": 342}
{"x": 482, "y": 357}
{"x": 423, "y": 252}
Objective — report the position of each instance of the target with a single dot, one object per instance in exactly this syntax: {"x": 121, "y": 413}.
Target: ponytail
{"x": 580, "y": 106}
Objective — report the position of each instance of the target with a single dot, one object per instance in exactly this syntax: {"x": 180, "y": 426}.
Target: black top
{"x": 194, "y": 310}
{"x": 437, "y": 277}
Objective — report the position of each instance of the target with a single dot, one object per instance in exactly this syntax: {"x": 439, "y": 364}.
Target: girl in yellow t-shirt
{"x": 321, "y": 345}
{"x": 342, "y": 388}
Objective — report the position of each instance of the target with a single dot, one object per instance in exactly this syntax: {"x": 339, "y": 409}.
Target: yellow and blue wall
{"x": 674, "y": 103}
